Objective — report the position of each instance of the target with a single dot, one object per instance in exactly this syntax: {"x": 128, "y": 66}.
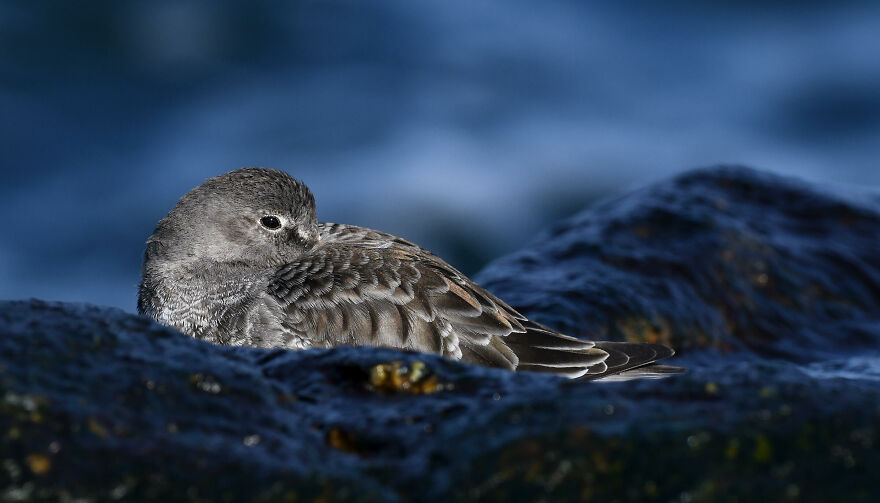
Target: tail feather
{"x": 540, "y": 337}
{"x": 634, "y": 360}
{"x": 655, "y": 371}
{"x": 540, "y": 349}
{"x": 570, "y": 372}
{"x": 529, "y": 355}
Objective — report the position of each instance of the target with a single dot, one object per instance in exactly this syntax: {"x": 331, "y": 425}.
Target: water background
{"x": 464, "y": 126}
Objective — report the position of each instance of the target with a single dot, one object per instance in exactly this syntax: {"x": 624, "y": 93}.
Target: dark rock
{"x": 782, "y": 400}
{"x": 728, "y": 259}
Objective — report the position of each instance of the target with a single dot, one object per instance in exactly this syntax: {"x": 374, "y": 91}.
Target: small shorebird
{"x": 242, "y": 260}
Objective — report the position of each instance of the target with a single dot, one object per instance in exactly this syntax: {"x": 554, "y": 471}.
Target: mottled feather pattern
{"x": 367, "y": 287}
{"x": 375, "y": 291}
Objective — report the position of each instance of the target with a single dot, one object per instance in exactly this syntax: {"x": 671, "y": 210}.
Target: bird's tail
{"x": 542, "y": 349}
{"x": 634, "y": 360}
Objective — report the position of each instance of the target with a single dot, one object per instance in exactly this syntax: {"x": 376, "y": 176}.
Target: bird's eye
{"x": 271, "y": 222}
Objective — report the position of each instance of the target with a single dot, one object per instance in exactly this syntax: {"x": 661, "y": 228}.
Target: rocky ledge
{"x": 769, "y": 288}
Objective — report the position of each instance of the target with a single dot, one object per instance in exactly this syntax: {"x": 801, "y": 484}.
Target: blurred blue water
{"x": 464, "y": 126}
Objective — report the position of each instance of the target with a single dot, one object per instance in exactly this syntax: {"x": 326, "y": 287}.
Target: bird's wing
{"x": 365, "y": 287}
{"x": 341, "y": 293}
{"x": 362, "y": 236}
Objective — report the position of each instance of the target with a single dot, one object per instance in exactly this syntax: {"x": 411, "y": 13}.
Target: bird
{"x": 242, "y": 260}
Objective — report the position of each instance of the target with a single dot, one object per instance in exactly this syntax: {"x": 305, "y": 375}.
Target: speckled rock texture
{"x": 770, "y": 289}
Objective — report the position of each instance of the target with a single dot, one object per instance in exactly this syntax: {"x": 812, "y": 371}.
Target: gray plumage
{"x": 218, "y": 269}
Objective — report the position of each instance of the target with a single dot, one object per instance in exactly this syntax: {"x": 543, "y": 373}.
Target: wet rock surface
{"x": 769, "y": 288}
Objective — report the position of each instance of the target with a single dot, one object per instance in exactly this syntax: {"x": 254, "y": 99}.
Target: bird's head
{"x": 252, "y": 216}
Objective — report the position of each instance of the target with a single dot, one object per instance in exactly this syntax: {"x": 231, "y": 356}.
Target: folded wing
{"x": 364, "y": 287}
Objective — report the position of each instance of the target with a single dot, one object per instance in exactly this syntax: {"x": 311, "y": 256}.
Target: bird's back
{"x": 359, "y": 286}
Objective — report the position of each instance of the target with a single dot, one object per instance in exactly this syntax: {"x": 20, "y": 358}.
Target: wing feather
{"x": 405, "y": 299}
{"x": 364, "y": 287}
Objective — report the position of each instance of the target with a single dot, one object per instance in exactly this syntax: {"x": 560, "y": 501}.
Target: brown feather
{"x": 361, "y": 286}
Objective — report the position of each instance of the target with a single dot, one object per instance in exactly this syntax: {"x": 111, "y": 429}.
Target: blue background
{"x": 466, "y": 126}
